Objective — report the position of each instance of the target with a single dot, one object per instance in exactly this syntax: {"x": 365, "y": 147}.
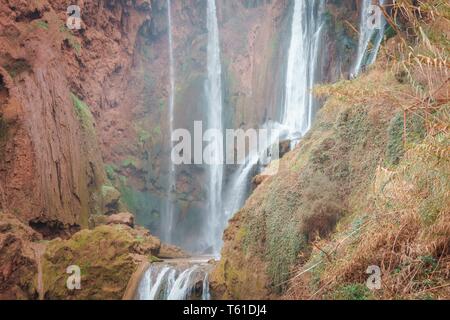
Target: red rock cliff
{"x": 54, "y": 85}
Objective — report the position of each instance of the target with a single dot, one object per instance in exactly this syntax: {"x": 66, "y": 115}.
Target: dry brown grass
{"x": 402, "y": 224}
{"x": 405, "y": 231}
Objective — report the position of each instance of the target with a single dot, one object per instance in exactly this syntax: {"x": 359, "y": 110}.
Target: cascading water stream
{"x": 367, "y": 31}
{"x": 378, "y": 40}
{"x": 164, "y": 281}
{"x": 307, "y": 27}
{"x": 168, "y": 218}
{"x": 213, "y": 232}
{"x": 238, "y": 186}
{"x": 306, "y": 33}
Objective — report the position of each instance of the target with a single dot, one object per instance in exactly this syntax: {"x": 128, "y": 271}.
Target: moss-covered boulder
{"x": 107, "y": 257}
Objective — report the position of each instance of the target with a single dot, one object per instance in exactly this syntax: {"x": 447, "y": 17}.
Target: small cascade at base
{"x": 175, "y": 280}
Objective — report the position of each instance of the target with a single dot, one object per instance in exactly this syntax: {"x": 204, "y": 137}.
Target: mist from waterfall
{"x": 214, "y": 150}
{"x": 168, "y": 217}
{"x": 366, "y": 55}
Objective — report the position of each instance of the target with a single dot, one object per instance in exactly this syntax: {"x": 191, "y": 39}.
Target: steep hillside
{"x": 367, "y": 186}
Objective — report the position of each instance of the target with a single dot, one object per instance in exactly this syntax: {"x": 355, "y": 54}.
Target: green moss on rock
{"x": 106, "y": 257}
{"x": 84, "y": 115}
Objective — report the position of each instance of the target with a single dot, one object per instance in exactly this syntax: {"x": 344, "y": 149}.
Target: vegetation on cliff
{"x": 368, "y": 186}
{"x": 402, "y": 223}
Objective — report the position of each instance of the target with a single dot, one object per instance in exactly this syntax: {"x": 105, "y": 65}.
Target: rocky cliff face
{"x": 66, "y": 94}
{"x": 18, "y": 259}
{"x": 59, "y": 90}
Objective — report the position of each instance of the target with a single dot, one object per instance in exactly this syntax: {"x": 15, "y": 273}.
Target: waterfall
{"x": 205, "y": 289}
{"x": 298, "y": 112}
{"x": 302, "y": 62}
{"x": 175, "y": 281}
{"x": 366, "y": 33}
{"x": 238, "y": 185}
{"x": 213, "y": 232}
{"x": 182, "y": 286}
{"x": 167, "y": 222}
{"x": 169, "y": 281}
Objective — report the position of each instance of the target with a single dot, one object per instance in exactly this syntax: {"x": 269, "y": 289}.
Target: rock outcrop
{"x": 107, "y": 256}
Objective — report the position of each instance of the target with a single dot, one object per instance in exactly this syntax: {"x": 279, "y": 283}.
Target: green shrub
{"x": 16, "y": 67}
{"x": 415, "y": 132}
{"x": 143, "y": 136}
{"x": 157, "y": 131}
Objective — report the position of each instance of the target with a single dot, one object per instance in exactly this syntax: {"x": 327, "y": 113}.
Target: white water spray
{"x": 380, "y": 35}
{"x": 238, "y": 186}
{"x": 298, "y": 112}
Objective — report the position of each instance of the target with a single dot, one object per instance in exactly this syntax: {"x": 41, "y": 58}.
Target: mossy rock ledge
{"x": 107, "y": 257}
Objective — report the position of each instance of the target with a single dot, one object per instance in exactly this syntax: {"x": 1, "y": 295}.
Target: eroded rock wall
{"x": 58, "y": 90}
